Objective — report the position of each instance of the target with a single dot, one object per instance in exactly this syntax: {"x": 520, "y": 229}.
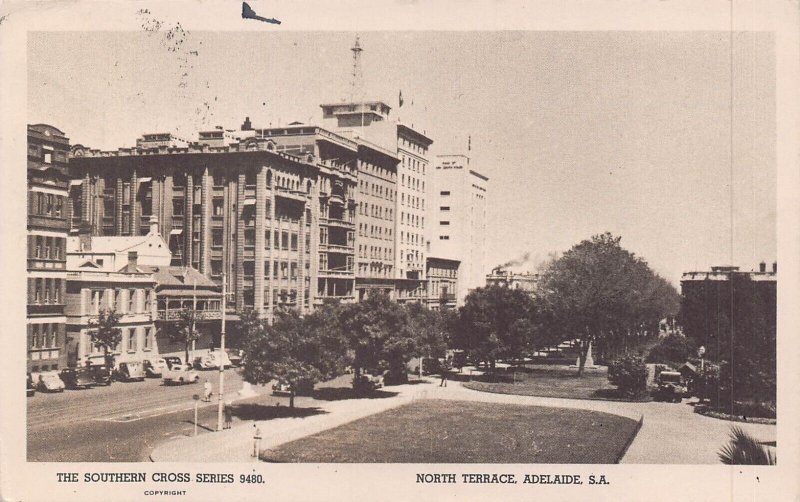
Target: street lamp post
{"x": 222, "y": 357}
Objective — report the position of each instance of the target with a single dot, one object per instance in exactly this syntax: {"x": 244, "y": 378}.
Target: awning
{"x": 188, "y": 293}
{"x": 73, "y": 183}
{"x": 176, "y": 231}
{"x": 249, "y": 202}
{"x": 145, "y": 180}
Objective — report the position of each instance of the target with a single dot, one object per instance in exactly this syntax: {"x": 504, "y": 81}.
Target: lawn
{"x": 442, "y": 431}
{"x": 553, "y": 381}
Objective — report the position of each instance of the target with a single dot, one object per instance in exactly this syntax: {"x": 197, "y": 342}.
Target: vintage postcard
{"x": 400, "y": 250}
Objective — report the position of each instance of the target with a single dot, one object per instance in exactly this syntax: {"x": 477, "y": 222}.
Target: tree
{"x": 185, "y": 331}
{"x": 378, "y": 333}
{"x": 495, "y": 322}
{"x": 294, "y": 350}
{"x": 744, "y": 449}
{"x": 629, "y": 374}
{"x": 430, "y": 330}
{"x": 105, "y": 334}
{"x": 601, "y": 294}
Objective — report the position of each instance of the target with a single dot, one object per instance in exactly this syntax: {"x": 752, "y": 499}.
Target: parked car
{"x": 155, "y": 367}
{"x": 77, "y": 378}
{"x": 213, "y": 360}
{"x": 100, "y": 374}
{"x": 303, "y": 388}
{"x": 172, "y": 361}
{"x": 49, "y": 381}
{"x": 31, "y": 389}
{"x": 235, "y": 357}
{"x": 130, "y": 371}
{"x": 180, "y": 374}
{"x": 281, "y": 389}
{"x": 670, "y": 386}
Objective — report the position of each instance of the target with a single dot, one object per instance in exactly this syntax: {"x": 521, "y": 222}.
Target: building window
{"x": 294, "y": 242}
{"x": 284, "y": 240}
{"x": 217, "y": 207}
{"x": 177, "y": 207}
{"x": 132, "y": 342}
{"x": 132, "y": 301}
{"x": 216, "y": 267}
{"x": 444, "y": 237}
{"x": 249, "y": 268}
{"x": 249, "y": 237}
{"x": 147, "y": 342}
{"x": 217, "y": 238}
{"x": 444, "y": 193}
{"x": 444, "y": 223}
{"x": 48, "y": 157}
{"x": 444, "y": 208}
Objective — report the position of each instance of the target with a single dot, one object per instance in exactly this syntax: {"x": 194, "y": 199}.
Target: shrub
{"x": 672, "y": 349}
{"x": 629, "y": 374}
{"x": 744, "y": 449}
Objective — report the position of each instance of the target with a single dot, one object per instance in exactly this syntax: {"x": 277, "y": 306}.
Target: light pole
{"x": 222, "y": 357}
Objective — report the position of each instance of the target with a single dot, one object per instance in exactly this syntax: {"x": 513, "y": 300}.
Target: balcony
{"x": 290, "y": 194}
{"x": 335, "y": 222}
{"x": 202, "y": 315}
{"x": 337, "y": 273}
{"x": 336, "y": 248}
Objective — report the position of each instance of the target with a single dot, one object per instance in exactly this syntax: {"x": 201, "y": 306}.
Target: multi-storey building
{"x": 457, "y": 229}
{"x": 369, "y": 122}
{"x": 48, "y": 225}
{"x": 230, "y": 203}
{"x": 442, "y": 277}
{"x": 103, "y": 275}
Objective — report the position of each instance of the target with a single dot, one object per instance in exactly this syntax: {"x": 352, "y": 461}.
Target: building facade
{"x": 230, "y": 202}
{"x": 404, "y": 188}
{"x": 442, "y": 283}
{"x": 98, "y": 280}
{"x": 47, "y": 231}
{"x": 457, "y": 229}
{"x": 526, "y": 281}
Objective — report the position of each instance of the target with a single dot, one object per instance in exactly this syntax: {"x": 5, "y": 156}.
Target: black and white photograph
{"x": 499, "y": 258}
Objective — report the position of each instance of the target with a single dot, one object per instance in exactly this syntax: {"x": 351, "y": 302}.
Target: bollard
{"x": 256, "y": 442}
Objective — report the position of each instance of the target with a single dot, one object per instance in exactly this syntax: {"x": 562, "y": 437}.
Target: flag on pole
{"x": 400, "y": 98}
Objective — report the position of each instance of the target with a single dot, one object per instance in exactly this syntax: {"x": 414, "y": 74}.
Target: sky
{"x": 652, "y": 136}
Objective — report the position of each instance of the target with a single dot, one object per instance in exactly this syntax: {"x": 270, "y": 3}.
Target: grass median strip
{"x": 444, "y": 431}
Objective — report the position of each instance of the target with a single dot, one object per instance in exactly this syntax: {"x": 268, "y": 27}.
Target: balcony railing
{"x": 336, "y": 248}
{"x": 201, "y": 315}
{"x": 336, "y": 273}
{"x": 334, "y": 222}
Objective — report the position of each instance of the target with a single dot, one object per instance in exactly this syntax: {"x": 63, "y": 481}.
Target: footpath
{"x": 670, "y": 433}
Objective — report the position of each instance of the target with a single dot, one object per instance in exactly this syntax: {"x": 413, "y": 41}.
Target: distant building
{"x": 716, "y": 303}
{"x": 526, "y": 281}
{"x": 48, "y": 224}
{"x": 442, "y": 283}
{"x": 458, "y": 213}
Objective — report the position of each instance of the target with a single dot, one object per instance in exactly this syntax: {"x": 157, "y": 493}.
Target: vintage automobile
{"x": 49, "y": 381}
{"x": 31, "y": 389}
{"x": 77, "y": 378}
{"x": 235, "y": 357}
{"x": 180, "y": 374}
{"x": 303, "y": 388}
{"x": 172, "y": 361}
{"x": 100, "y": 374}
{"x": 154, "y": 368}
{"x": 212, "y": 360}
{"x": 670, "y": 386}
{"x": 129, "y": 371}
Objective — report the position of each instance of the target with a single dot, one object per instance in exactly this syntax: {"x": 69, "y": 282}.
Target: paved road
{"x": 119, "y": 423}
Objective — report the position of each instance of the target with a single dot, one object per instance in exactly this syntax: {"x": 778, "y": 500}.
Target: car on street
{"x": 670, "y": 387}
{"x": 213, "y": 360}
{"x": 130, "y": 371}
{"x": 172, "y": 361}
{"x": 48, "y": 381}
{"x": 77, "y": 378}
{"x": 235, "y": 357}
{"x": 100, "y": 374}
{"x": 180, "y": 374}
{"x": 154, "y": 368}
{"x": 31, "y": 390}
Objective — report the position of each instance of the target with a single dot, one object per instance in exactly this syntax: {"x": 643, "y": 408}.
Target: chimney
{"x": 153, "y": 225}
{"x": 762, "y": 267}
{"x": 133, "y": 259}
{"x": 774, "y": 267}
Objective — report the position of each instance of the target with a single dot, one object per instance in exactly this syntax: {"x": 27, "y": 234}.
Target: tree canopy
{"x": 599, "y": 292}
{"x": 106, "y": 334}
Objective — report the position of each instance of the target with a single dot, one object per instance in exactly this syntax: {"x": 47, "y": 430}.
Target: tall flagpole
{"x": 221, "y": 358}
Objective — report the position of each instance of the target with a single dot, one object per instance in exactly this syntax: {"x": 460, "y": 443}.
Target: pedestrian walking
{"x": 207, "y": 391}
{"x": 228, "y": 414}
{"x": 445, "y": 370}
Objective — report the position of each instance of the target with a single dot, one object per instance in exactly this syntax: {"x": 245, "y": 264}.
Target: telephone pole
{"x": 222, "y": 357}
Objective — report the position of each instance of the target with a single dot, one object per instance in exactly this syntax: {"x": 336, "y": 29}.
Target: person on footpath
{"x": 445, "y": 370}
{"x": 228, "y": 414}
{"x": 207, "y": 391}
